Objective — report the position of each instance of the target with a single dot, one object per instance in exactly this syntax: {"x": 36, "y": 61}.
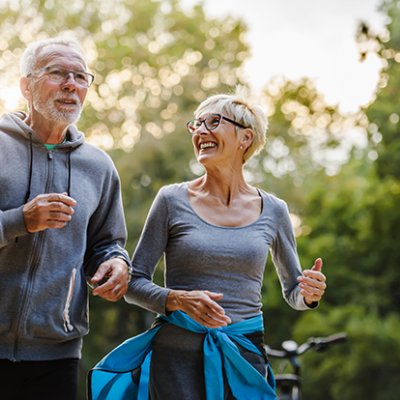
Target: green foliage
{"x": 152, "y": 61}
{"x": 305, "y": 140}
{"x": 351, "y": 219}
{"x": 383, "y": 114}
{"x": 352, "y": 230}
{"x": 367, "y": 366}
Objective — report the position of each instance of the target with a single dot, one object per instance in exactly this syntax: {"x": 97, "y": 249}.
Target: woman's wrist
{"x": 310, "y": 303}
{"x": 174, "y": 302}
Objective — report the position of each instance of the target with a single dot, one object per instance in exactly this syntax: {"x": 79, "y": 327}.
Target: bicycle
{"x": 288, "y": 385}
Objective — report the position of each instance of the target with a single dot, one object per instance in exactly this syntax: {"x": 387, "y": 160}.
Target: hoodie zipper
{"x": 33, "y": 262}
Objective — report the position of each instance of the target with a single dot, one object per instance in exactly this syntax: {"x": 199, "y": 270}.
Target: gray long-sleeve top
{"x": 202, "y": 256}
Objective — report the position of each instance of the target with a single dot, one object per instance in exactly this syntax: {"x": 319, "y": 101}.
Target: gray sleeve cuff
{"x": 297, "y": 301}
{"x": 12, "y": 225}
{"x": 147, "y": 295}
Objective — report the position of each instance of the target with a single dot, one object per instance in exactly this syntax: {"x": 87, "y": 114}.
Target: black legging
{"x": 44, "y": 380}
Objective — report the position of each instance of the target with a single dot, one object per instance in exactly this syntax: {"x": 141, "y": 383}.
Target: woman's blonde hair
{"x": 237, "y": 107}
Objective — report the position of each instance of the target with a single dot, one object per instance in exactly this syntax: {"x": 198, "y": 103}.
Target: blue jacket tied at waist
{"x": 124, "y": 373}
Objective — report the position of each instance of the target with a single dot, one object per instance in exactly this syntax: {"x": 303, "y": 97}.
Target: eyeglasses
{"x": 59, "y": 74}
{"x": 211, "y": 122}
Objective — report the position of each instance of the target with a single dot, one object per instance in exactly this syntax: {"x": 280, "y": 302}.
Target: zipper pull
{"x": 49, "y": 155}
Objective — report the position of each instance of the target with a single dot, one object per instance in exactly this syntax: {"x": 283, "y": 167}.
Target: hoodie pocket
{"x": 61, "y": 313}
{"x": 68, "y": 327}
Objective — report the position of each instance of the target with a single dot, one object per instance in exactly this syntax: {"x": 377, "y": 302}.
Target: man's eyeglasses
{"x": 59, "y": 74}
{"x": 211, "y": 122}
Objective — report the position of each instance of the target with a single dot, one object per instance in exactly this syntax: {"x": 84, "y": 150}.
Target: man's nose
{"x": 69, "y": 81}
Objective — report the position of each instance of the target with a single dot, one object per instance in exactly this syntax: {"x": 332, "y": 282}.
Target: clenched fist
{"x": 50, "y": 210}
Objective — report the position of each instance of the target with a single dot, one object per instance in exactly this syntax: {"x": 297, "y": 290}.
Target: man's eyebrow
{"x": 78, "y": 69}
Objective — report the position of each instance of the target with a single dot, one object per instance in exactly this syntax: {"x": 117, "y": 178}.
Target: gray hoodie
{"x": 43, "y": 289}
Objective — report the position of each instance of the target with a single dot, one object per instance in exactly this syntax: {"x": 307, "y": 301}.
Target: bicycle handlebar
{"x": 322, "y": 343}
{"x": 315, "y": 343}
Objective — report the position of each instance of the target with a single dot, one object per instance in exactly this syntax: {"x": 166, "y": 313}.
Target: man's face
{"x": 57, "y": 100}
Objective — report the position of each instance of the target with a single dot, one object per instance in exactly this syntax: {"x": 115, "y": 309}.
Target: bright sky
{"x": 312, "y": 38}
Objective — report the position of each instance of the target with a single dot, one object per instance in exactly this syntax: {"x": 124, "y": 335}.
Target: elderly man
{"x": 61, "y": 226}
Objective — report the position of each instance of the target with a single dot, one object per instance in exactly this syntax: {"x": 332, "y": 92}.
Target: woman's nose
{"x": 202, "y": 130}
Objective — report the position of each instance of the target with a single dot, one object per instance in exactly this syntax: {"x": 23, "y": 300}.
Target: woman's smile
{"x": 207, "y": 145}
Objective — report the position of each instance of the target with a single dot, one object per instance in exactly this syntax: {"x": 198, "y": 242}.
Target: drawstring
{"x": 28, "y": 193}
{"x": 69, "y": 172}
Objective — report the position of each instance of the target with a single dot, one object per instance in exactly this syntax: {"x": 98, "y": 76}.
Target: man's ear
{"x": 24, "y": 87}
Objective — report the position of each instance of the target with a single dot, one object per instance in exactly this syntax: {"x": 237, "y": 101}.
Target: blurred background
{"x": 328, "y": 76}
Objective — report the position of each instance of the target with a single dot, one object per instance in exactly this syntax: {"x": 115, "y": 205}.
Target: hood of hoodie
{"x": 13, "y": 124}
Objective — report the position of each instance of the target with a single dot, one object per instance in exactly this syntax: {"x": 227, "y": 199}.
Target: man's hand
{"x": 51, "y": 210}
{"x": 111, "y": 279}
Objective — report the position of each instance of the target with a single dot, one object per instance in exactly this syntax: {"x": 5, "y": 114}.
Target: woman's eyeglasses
{"x": 211, "y": 122}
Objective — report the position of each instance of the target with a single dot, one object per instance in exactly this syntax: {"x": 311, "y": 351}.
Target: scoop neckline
{"x": 221, "y": 226}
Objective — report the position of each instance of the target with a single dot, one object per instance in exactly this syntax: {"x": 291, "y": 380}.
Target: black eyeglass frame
{"x": 203, "y": 121}
{"x": 67, "y": 72}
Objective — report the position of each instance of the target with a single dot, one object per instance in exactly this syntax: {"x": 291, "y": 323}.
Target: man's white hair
{"x": 32, "y": 53}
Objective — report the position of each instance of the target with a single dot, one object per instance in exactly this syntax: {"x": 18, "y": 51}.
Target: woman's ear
{"x": 24, "y": 87}
{"x": 247, "y": 138}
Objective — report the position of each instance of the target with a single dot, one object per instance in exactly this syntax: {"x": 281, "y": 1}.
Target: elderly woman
{"x": 215, "y": 233}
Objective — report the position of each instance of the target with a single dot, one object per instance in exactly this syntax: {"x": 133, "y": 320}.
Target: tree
{"x": 352, "y": 219}
{"x": 383, "y": 116}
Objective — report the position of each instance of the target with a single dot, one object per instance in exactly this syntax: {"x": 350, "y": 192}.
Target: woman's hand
{"x": 200, "y": 305}
{"x": 312, "y": 283}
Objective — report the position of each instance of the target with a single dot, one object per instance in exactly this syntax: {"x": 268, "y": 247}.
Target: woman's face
{"x": 216, "y": 141}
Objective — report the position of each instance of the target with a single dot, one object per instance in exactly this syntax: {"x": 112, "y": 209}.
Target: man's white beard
{"x": 49, "y": 111}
